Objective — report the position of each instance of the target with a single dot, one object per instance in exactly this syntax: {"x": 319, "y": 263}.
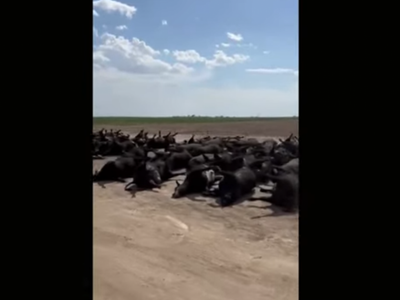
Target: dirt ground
{"x": 150, "y": 246}
{"x": 255, "y": 128}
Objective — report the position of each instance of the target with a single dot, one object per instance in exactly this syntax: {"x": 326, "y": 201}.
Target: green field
{"x": 124, "y": 121}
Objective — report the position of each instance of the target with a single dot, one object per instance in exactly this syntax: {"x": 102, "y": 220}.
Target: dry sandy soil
{"x": 150, "y": 246}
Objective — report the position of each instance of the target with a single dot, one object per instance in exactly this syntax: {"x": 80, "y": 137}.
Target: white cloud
{"x": 112, "y": 6}
{"x": 133, "y": 56}
{"x": 221, "y": 59}
{"x": 274, "y": 71}
{"x": 95, "y": 13}
{"x": 164, "y": 23}
{"x": 238, "y": 45}
{"x": 121, "y": 27}
{"x": 188, "y": 56}
{"x": 266, "y": 52}
{"x": 234, "y": 37}
{"x": 136, "y": 56}
{"x": 95, "y": 32}
{"x": 130, "y": 78}
{"x": 99, "y": 57}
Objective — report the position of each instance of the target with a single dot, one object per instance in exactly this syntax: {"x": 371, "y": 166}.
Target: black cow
{"x": 290, "y": 167}
{"x": 146, "y": 176}
{"x": 151, "y": 173}
{"x": 198, "y": 180}
{"x": 286, "y": 191}
{"x": 178, "y": 160}
{"x": 235, "y": 185}
{"x": 198, "y": 160}
{"x": 211, "y": 149}
{"x": 119, "y": 169}
{"x": 227, "y": 162}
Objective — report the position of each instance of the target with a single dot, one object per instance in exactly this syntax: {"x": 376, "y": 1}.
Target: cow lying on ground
{"x": 199, "y": 179}
{"x": 285, "y": 193}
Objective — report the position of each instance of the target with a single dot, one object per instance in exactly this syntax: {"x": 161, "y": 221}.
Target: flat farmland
{"x": 153, "y": 247}
{"x": 203, "y": 125}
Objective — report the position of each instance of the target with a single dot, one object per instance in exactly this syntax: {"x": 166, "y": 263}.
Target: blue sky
{"x": 184, "y": 57}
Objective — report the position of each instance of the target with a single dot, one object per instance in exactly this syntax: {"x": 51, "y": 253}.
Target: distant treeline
{"x": 179, "y": 119}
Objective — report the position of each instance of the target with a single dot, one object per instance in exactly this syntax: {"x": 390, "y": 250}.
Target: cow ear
{"x": 177, "y": 183}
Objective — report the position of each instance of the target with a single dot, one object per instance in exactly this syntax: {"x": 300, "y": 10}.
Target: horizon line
{"x": 189, "y": 116}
